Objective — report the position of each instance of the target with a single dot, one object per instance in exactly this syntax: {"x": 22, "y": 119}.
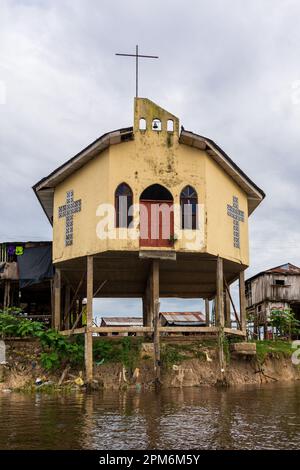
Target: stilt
{"x": 242, "y": 301}
{"x": 227, "y": 309}
{"x": 155, "y": 316}
{"x": 89, "y": 320}
{"x": 146, "y": 303}
{"x": 57, "y": 299}
{"x": 220, "y": 294}
{"x": 255, "y": 327}
{"x": 220, "y": 316}
{"x": 52, "y": 302}
{"x": 67, "y": 306}
{"x": 144, "y": 300}
{"x": 207, "y": 321}
{"x": 7, "y": 286}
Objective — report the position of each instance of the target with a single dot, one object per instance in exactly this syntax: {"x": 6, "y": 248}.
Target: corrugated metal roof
{"x": 187, "y": 318}
{"x": 287, "y": 268}
{"x": 122, "y": 321}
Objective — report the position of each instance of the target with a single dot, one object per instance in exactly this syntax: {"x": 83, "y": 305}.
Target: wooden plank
{"x": 189, "y": 329}
{"x": 227, "y": 308}
{"x": 207, "y": 320}
{"x": 121, "y": 329}
{"x": 156, "y": 321}
{"x": 220, "y": 294}
{"x": 147, "y": 329}
{"x": 232, "y": 303}
{"x": 220, "y": 316}
{"x": 76, "y": 331}
{"x": 57, "y": 298}
{"x": 158, "y": 254}
{"x": 232, "y": 331}
{"x": 89, "y": 320}
{"x": 242, "y": 300}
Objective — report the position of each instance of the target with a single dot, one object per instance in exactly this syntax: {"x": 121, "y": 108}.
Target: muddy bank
{"x": 24, "y": 372}
{"x": 196, "y": 372}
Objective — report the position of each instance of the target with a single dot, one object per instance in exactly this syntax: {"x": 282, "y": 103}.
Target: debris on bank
{"x": 128, "y": 363}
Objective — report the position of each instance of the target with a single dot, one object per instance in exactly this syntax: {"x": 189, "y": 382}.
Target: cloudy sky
{"x": 229, "y": 69}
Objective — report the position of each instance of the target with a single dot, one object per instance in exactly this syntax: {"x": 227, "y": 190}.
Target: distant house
{"x": 26, "y": 274}
{"x": 121, "y": 322}
{"x": 177, "y": 319}
{"x": 182, "y": 319}
{"x": 275, "y": 288}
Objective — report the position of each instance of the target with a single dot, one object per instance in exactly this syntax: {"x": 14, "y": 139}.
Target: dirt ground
{"x": 23, "y": 372}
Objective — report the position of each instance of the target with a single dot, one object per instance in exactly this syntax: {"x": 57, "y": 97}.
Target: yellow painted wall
{"x": 152, "y": 157}
{"x": 220, "y": 189}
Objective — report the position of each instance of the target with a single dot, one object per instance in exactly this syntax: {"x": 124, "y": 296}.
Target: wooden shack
{"x": 276, "y": 288}
{"x": 26, "y": 275}
{"x": 122, "y": 322}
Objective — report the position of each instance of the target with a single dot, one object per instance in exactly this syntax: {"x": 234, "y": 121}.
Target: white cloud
{"x": 227, "y": 69}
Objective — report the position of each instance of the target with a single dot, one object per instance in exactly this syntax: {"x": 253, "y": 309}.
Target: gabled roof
{"x": 255, "y": 194}
{"x": 285, "y": 269}
{"x": 122, "y": 321}
{"x": 44, "y": 189}
{"x": 184, "y": 318}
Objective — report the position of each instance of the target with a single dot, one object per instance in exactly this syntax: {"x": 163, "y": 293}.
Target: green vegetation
{"x": 284, "y": 323}
{"x": 11, "y": 325}
{"x": 273, "y": 348}
{"x": 125, "y": 350}
{"x": 178, "y": 352}
{"x": 57, "y": 350}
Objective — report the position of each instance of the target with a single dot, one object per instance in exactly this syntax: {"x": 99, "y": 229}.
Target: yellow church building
{"x": 148, "y": 211}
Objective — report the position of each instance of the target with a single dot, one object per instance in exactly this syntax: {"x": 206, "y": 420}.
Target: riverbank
{"x": 122, "y": 364}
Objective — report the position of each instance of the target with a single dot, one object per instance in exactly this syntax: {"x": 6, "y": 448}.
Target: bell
{"x": 155, "y": 125}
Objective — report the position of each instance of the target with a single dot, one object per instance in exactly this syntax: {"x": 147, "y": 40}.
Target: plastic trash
{"x": 79, "y": 381}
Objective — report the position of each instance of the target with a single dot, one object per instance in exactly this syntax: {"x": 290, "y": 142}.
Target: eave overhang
{"x": 44, "y": 189}
{"x": 254, "y": 194}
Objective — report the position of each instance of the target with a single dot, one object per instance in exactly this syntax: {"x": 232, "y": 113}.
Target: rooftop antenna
{"x": 137, "y": 56}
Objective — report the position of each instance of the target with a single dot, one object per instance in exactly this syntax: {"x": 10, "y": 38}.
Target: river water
{"x": 266, "y": 417}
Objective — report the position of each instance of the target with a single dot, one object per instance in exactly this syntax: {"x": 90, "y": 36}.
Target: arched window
{"x": 170, "y": 125}
{"x": 123, "y": 201}
{"x": 142, "y": 124}
{"x": 188, "y": 204}
{"x": 156, "y": 125}
{"x": 156, "y": 192}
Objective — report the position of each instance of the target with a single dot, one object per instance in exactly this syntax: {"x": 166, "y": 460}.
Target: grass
{"x": 125, "y": 350}
{"x": 272, "y": 348}
{"x": 178, "y": 352}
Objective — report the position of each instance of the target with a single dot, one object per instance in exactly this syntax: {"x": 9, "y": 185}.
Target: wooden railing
{"x": 148, "y": 329}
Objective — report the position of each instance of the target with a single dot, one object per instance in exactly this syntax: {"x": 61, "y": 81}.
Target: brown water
{"x": 192, "y": 418}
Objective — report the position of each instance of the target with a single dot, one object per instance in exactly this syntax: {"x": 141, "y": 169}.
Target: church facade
{"x": 149, "y": 211}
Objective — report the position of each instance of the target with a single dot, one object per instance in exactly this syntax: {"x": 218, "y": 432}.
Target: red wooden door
{"x": 156, "y": 223}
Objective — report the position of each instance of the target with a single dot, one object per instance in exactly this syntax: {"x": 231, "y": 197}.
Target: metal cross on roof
{"x": 137, "y": 56}
{"x": 238, "y": 216}
{"x": 68, "y": 210}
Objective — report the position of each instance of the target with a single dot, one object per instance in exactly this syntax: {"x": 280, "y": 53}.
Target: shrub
{"x": 284, "y": 322}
